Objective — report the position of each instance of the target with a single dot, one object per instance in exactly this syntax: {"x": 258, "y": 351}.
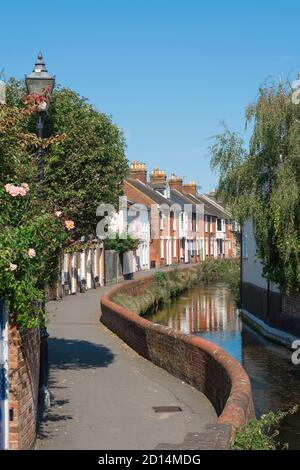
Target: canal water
{"x": 211, "y": 312}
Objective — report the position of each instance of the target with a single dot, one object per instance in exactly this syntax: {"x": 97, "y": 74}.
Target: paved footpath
{"x": 103, "y": 393}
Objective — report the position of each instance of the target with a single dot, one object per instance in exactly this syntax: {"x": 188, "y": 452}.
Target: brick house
{"x": 19, "y": 374}
{"x": 197, "y": 226}
{"x": 161, "y": 237}
{"x": 227, "y": 230}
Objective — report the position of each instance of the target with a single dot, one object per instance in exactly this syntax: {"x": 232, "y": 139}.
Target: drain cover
{"x": 166, "y": 409}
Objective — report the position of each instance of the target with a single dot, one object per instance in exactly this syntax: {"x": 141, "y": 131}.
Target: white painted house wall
{"x": 252, "y": 267}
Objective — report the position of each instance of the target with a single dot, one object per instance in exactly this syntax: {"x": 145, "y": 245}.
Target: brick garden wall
{"x": 196, "y": 361}
{"x": 281, "y": 311}
{"x": 24, "y": 365}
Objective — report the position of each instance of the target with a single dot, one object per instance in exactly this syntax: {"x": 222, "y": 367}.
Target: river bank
{"x": 198, "y": 362}
{"x": 210, "y": 312}
{"x": 167, "y": 285}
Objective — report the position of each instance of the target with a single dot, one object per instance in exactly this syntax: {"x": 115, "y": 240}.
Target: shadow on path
{"x": 68, "y": 354}
{"x": 71, "y": 354}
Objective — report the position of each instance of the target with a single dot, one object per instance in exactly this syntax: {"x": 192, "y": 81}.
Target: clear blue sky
{"x": 166, "y": 70}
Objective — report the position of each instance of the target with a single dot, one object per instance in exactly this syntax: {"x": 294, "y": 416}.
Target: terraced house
{"x": 183, "y": 226}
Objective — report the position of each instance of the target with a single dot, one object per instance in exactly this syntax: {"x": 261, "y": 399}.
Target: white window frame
{"x": 174, "y": 247}
{"x": 161, "y": 220}
{"x": 162, "y": 248}
{"x": 174, "y": 221}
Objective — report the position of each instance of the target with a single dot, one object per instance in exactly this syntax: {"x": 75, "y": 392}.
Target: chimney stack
{"x": 138, "y": 171}
{"x": 190, "y": 188}
{"x": 158, "y": 176}
{"x": 175, "y": 182}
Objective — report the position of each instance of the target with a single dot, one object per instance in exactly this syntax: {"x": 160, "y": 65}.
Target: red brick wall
{"x": 24, "y": 366}
{"x": 196, "y": 361}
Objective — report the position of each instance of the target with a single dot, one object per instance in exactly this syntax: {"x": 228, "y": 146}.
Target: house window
{"x": 192, "y": 248}
{"x": 181, "y": 248}
{"x": 175, "y": 221}
{"x": 206, "y": 223}
{"x": 161, "y": 220}
{"x": 162, "y": 248}
{"x": 219, "y": 225}
{"x": 206, "y": 247}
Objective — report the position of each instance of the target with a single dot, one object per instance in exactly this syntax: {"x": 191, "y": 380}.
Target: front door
{"x": 3, "y": 377}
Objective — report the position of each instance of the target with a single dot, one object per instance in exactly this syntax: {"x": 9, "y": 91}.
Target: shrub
{"x": 260, "y": 434}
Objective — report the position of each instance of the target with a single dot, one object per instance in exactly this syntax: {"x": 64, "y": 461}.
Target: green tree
{"x": 89, "y": 166}
{"x": 263, "y": 183}
{"x": 31, "y": 235}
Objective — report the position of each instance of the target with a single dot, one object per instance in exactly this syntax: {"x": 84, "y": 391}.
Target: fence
{"x": 79, "y": 271}
{"x": 118, "y": 266}
{"x": 90, "y": 268}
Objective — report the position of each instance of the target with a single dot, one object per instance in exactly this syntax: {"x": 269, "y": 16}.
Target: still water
{"x": 211, "y": 312}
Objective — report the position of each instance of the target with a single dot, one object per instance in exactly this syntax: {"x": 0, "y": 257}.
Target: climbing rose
{"x": 12, "y": 266}
{"x": 31, "y": 253}
{"x": 58, "y": 213}
{"x": 69, "y": 224}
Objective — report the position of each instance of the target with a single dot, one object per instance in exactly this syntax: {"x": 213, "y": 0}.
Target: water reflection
{"x": 210, "y": 312}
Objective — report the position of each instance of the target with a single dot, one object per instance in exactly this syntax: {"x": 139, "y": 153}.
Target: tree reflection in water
{"x": 211, "y": 312}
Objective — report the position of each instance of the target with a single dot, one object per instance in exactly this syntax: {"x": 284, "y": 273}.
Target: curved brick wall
{"x": 198, "y": 362}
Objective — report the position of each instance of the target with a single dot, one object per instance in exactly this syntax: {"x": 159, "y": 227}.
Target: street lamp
{"x": 39, "y": 78}
{"x": 38, "y": 82}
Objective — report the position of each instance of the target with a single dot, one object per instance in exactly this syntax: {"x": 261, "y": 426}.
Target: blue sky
{"x": 168, "y": 71}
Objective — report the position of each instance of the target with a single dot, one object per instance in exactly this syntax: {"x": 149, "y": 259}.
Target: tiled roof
{"x": 181, "y": 199}
{"x": 219, "y": 204}
{"x": 149, "y": 192}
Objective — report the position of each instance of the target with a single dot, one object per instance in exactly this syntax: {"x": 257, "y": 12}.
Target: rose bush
{"x": 31, "y": 235}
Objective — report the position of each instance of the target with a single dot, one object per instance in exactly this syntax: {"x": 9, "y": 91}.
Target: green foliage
{"x": 160, "y": 278}
{"x": 24, "y": 227}
{"x": 86, "y": 169}
{"x": 260, "y": 434}
{"x": 263, "y": 184}
{"x": 89, "y": 167}
{"x": 121, "y": 244}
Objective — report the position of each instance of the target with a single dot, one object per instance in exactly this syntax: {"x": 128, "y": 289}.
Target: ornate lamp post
{"x": 37, "y": 82}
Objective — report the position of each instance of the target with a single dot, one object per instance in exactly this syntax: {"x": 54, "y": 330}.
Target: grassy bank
{"x": 172, "y": 283}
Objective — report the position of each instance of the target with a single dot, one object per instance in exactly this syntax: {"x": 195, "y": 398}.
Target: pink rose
{"x": 14, "y": 190}
{"x": 12, "y": 266}
{"x": 58, "y": 213}
{"x": 69, "y": 224}
{"x": 31, "y": 253}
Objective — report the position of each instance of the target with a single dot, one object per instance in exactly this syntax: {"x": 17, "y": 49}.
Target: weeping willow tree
{"x": 263, "y": 183}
